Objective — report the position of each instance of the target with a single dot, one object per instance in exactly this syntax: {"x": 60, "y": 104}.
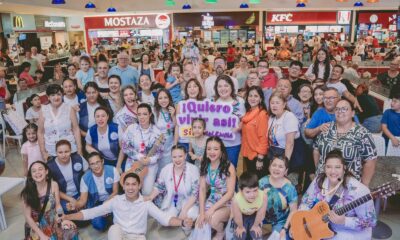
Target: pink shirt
{"x": 32, "y": 150}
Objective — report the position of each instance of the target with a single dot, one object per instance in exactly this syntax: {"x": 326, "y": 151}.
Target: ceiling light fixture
{"x": 186, "y": 6}
{"x": 255, "y": 1}
{"x": 372, "y": 1}
{"x": 302, "y": 1}
{"x": 90, "y": 5}
{"x": 170, "y": 3}
{"x": 244, "y": 5}
{"x": 111, "y": 9}
{"x": 57, "y": 2}
{"x": 301, "y": 5}
{"x": 358, "y": 4}
{"x": 342, "y": 1}
{"x": 211, "y": 1}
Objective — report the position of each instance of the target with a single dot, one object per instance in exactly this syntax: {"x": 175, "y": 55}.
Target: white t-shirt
{"x": 66, "y": 171}
{"x": 104, "y": 144}
{"x": 71, "y": 102}
{"x": 339, "y": 86}
{"x": 99, "y": 181}
{"x": 91, "y": 110}
{"x": 31, "y": 114}
{"x": 210, "y": 82}
{"x": 149, "y": 99}
{"x": 278, "y": 128}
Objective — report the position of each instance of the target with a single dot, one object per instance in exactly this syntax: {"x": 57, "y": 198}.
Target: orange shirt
{"x": 160, "y": 78}
{"x": 254, "y": 133}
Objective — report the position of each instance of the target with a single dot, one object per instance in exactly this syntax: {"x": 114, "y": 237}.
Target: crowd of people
{"x": 108, "y": 148}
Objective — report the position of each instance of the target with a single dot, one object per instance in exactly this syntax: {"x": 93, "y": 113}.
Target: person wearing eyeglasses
{"x": 98, "y": 185}
{"x": 354, "y": 140}
{"x": 320, "y": 119}
{"x": 127, "y": 73}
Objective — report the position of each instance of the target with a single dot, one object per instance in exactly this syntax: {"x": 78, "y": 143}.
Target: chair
{"x": 379, "y": 143}
{"x": 6, "y": 136}
{"x": 393, "y": 151}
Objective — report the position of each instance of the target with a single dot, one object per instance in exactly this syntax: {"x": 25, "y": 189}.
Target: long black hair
{"x": 260, "y": 93}
{"x": 148, "y": 107}
{"x": 326, "y": 63}
{"x": 224, "y": 161}
{"x": 30, "y": 194}
{"x": 29, "y": 100}
{"x": 99, "y": 99}
{"x": 157, "y": 106}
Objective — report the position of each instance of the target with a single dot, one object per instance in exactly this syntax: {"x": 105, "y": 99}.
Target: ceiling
{"x": 76, "y": 7}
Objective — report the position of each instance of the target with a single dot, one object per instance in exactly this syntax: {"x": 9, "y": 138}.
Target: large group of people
{"x": 108, "y": 148}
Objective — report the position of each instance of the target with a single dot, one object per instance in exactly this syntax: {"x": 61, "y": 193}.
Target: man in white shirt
{"x": 219, "y": 69}
{"x": 335, "y": 82}
{"x": 130, "y": 212}
{"x": 38, "y": 56}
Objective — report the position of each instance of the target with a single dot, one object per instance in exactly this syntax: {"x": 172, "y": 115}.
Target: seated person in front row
{"x": 130, "y": 212}
{"x": 391, "y": 121}
{"x": 336, "y": 179}
{"x": 248, "y": 207}
{"x": 98, "y": 185}
{"x": 67, "y": 170}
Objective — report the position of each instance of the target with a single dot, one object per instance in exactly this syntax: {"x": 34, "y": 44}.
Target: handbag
{"x": 201, "y": 233}
{"x": 15, "y": 121}
{"x": 29, "y": 233}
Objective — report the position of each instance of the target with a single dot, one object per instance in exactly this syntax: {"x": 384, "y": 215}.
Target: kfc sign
{"x": 282, "y": 18}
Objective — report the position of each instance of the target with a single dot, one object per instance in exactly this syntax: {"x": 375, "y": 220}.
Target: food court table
{"x": 385, "y": 168}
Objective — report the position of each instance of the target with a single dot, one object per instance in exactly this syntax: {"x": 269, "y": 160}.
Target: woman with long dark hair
{"x": 127, "y": 115}
{"x": 41, "y": 199}
{"x": 337, "y": 179}
{"x": 218, "y": 175}
{"x": 321, "y": 68}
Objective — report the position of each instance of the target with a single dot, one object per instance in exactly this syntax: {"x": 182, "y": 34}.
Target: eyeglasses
{"x": 95, "y": 163}
{"x": 262, "y": 66}
{"x": 341, "y": 110}
{"x": 329, "y": 98}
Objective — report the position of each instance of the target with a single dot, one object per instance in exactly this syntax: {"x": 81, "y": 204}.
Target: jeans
{"x": 248, "y": 221}
{"x": 103, "y": 222}
{"x": 233, "y": 154}
{"x": 373, "y": 124}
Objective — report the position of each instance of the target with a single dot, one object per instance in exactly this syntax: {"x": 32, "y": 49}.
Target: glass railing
{"x": 22, "y": 95}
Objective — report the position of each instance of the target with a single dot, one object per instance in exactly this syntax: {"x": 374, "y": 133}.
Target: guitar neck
{"x": 353, "y": 204}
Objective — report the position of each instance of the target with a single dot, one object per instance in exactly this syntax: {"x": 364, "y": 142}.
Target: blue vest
{"x": 93, "y": 194}
{"x": 83, "y": 116}
{"x": 59, "y": 177}
{"x": 114, "y": 143}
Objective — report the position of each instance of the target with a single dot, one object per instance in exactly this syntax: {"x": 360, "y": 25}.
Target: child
{"x": 305, "y": 96}
{"x": 197, "y": 144}
{"x": 30, "y": 149}
{"x": 391, "y": 121}
{"x": 38, "y": 76}
{"x": 174, "y": 81}
{"x": 86, "y": 73}
{"x": 248, "y": 207}
{"x": 34, "y": 104}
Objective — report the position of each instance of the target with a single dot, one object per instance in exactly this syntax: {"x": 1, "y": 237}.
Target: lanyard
{"x": 176, "y": 186}
{"x": 212, "y": 180}
{"x": 142, "y": 143}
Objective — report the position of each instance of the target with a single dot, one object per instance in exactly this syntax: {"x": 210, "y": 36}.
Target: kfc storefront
{"x": 106, "y": 30}
{"x": 381, "y": 24}
{"x": 336, "y": 23}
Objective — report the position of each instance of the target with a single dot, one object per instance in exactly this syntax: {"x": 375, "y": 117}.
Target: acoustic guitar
{"x": 314, "y": 224}
{"x": 139, "y": 168}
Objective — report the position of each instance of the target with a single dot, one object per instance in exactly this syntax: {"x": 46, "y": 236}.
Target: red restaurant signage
{"x": 160, "y": 21}
{"x": 384, "y": 18}
{"x": 301, "y": 18}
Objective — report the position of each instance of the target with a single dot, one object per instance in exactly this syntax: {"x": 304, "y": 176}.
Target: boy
{"x": 38, "y": 76}
{"x": 249, "y": 206}
{"x": 130, "y": 212}
{"x": 391, "y": 121}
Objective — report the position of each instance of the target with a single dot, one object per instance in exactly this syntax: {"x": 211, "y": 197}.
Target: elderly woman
{"x": 356, "y": 143}
{"x": 60, "y": 121}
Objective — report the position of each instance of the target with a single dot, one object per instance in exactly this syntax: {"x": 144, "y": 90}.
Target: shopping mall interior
{"x": 104, "y": 102}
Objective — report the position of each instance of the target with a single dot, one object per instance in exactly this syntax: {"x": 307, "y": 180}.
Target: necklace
{"x": 167, "y": 118}
{"x": 327, "y": 192}
{"x": 176, "y": 186}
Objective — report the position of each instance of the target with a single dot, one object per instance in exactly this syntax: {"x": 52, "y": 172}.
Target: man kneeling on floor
{"x": 130, "y": 212}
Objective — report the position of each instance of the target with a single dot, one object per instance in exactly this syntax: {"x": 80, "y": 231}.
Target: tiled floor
{"x": 15, "y": 220}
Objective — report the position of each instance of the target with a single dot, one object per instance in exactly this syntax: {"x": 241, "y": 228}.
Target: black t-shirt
{"x": 168, "y": 54}
{"x": 296, "y": 85}
{"x": 369, "y": 106}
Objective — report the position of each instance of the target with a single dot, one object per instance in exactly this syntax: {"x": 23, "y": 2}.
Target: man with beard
{"x": 219, "y": 69}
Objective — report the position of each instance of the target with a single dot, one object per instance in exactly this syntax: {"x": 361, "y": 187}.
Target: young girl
{"x": 85, "y": 73}
{"x": 30, "y": 149}
{"x": 281, "y": 195}
{"x": 197, "y": 144}
{"x": 174, "y": 81}
{"x": 218, "y": 174}
{"x": 318, "y": 95}
{"x": 34, "y": 104}
{"x": 165, "y": 120}
{"x": 145, "y": 94}
{"x": 321, "y": 68}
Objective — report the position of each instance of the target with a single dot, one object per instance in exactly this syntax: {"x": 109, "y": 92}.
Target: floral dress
{"x": 48, "y": 223}
{"x": 218, "y": 187}
{"x": 166, "y": 125}
{"x": 358, "y": 222}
